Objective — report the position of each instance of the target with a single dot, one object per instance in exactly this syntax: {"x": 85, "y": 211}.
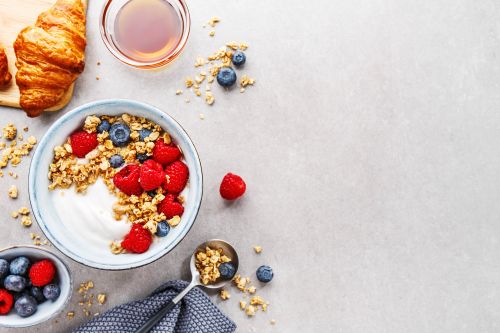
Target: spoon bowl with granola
{"x": 213, "y": 265}
{"x": 115, "y": 184}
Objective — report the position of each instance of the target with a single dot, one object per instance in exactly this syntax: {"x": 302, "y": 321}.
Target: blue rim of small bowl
{"x": 60, "y": 122}
{"x": 43, "y": 320}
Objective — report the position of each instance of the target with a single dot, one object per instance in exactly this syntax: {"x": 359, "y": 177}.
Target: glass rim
{"x": 170, "y": 57}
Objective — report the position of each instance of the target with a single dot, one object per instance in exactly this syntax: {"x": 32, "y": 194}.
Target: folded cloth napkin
{"x": 195, "y": 313}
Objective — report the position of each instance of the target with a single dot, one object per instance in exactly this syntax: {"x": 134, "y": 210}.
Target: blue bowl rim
{"x": 37, "y": 248}
{"x": 60, "y": 122}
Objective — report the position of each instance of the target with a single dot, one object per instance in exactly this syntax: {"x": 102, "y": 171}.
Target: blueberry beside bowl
{"x": 31, "y": 307}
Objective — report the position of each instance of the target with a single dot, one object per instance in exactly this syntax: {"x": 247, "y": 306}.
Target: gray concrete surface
{"x": 370, "y": 146}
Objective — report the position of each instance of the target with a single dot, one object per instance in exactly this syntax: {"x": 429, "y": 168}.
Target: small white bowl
{"x": 69, "y": 242}
{"x": 47, "y": 309}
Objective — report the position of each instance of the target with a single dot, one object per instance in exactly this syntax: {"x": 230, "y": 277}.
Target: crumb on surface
{"x": 224, "y": 294}
{"x": 13, "y": 192}
{"x": 257, "y": 249}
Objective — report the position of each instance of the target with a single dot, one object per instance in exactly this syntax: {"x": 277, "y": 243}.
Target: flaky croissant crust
{"x": 5, "y": 76}
{"x": 50, "y": 56}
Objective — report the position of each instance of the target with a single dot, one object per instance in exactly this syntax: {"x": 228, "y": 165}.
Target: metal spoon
{"x": 227, "y": 249}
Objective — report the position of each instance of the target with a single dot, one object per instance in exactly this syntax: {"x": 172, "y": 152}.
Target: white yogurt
{"x": 90, "y": 215}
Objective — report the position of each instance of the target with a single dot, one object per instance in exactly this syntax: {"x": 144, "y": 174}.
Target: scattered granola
{"x": 12, "y": 152}
{"x": 9, "y": 132}
{"x": 273, "y": 321}
{"x": 213, "y": 21}
{"x": 13, "y": 192}
{"x": 70, "y": 314}
{"x": 214, "y": 62}
{"x": 26, "y": 221}
{"x": 224, "y": 294}
{"x": 208, "y": 262}
{"x": 256, "y": 302}
{"x": 101, "y": 298}
{"x": 257, "y": 249}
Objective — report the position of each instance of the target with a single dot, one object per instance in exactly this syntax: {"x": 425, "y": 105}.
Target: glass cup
{"x": 109, "y": 18}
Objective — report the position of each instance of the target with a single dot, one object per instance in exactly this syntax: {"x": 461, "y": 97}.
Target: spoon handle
{"x": 156, "y": 318}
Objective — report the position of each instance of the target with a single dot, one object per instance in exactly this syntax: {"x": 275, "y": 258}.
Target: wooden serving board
{"x": 15, "y": 15}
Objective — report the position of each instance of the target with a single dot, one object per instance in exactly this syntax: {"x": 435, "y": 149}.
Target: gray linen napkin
{"x": 195, "y": 313}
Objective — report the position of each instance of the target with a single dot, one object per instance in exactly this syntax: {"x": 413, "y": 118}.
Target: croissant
{"x": 5, "y": 76}
{"x": 50, "y": 56}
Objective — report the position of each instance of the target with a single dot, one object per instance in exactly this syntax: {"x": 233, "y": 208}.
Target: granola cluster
{"x": 12, "y": 150}
{"x": 210, "y": 67}
{"x": 208, "y": 262}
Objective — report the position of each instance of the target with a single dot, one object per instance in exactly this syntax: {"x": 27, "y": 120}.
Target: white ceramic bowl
{"x": 47, "y": 309}
{"x": 69, "y": 242}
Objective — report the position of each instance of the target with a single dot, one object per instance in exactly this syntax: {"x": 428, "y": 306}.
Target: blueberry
{"x": 14, "y": 283}
{"x": 142, "y": 157}
{"x": 119, "y": 134}
{"x": 116, "y": 161}
{"x": 239, "y": 58}
{"x": 152, "y": 193}
{"x": 19, "y": 266}
{"x": 4, "y": 268}
{"x": 51, "y": 291}
{"x": 37, "y": 293}
{"x": 144, "y": 133}
{"x": 227, "y": 270}
{"x": 226, "y": 77}
{"x": 162, "y": 229}
{"x": 264, "y": 273}
{"x": 25, "y": 306}
{"x": 103, "y": 126}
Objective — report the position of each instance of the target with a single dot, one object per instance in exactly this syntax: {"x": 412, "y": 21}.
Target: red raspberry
{"x": 165, "y": 153}
{"x": 138, "y": 239}
{"x": 42, "y": 273}
{"x": 170, "y": 206}
{"x": 177, "y": 175}
{"x": 83, "y": 143}
{"x": 127, "y": 180}
{"x": 232, "y": 187}
{"x": 6, "y": 301}
{"x": 152, "y": 175}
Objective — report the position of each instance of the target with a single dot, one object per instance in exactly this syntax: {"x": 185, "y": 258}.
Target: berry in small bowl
{"x": 34, "y": 286}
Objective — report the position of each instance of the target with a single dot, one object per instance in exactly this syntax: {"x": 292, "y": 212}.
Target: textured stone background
{"x": 370, "y": 145}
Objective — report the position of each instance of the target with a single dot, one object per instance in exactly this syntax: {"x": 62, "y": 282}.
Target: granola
{"x": 208, "y": 262}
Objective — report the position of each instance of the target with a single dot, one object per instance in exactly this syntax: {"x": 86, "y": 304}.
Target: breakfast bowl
{"x": 47, "y": 309}
{"x": 84, "y": 226}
